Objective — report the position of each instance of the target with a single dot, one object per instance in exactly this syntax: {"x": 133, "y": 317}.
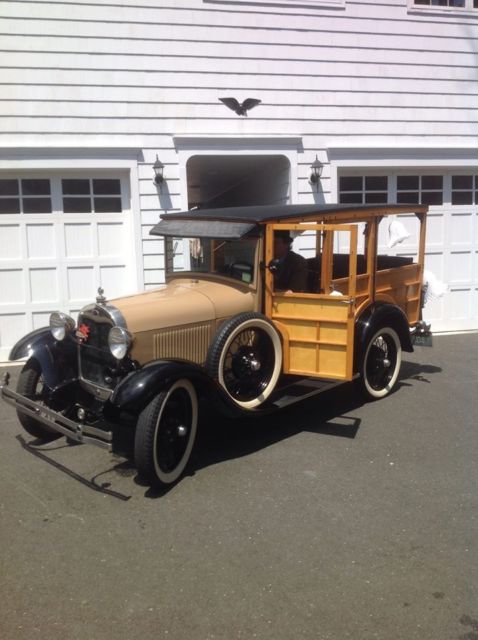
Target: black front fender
{"x": 380, "y": 314}
{"x": 57, "y": 359}
{"x": 139, "y": 387}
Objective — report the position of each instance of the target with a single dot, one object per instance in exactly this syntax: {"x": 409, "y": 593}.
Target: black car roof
{"x": 235, "y": 222}
{"x": 268, "y": 213}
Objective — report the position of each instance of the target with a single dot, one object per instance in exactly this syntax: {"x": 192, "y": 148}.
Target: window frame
{"x": 468, "y": 9}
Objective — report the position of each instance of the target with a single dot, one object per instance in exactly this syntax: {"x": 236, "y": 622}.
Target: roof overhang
{"x": 223, "y": 230}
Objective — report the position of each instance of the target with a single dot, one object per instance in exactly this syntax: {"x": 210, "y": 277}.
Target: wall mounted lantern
{"x": 158, "y": 168}
{"x": 315, "y": 172}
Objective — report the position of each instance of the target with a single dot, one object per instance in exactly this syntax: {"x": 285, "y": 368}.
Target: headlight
{"x": 119, "y": 341}
{"x": 60, "y": 325}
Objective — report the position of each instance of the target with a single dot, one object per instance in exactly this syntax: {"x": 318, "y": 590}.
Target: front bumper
{"x": 77, "y": 431}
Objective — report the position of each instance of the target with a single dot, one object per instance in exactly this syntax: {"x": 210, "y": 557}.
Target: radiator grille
{"x": 96, "y": 360}
{"x": 189, "y": 343}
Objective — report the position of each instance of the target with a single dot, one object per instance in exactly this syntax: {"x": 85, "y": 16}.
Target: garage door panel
{"x": 461, "y": 229}
{"x": 41, "y": 241}
{"x": 460, "y": 268}
{"x": 112, "y": 280}
{"x": 78, "y": 240}
{"x": 435, "y": 263}
{"x": 435, "y": 310}
{"x": 435, "y": 230}
{"x": 44, "y": 286}
{"x": 10, "y": 242}
{"x": 12, "y": 326}
{"x": 110, "y": 239}
{"x": 12, "y": 287}
{"x": 460, "y": 304}
{"x": 81, "y": 283}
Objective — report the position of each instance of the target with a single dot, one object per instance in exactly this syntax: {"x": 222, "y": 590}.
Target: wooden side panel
{"x": 402, "y": 285}
{"x": 318, "y": 328}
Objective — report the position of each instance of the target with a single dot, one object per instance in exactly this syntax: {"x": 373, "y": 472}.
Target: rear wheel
{"x": 381, "y": 364}
{"x": 31, "y": 385}
{"x": 165, "y": 434}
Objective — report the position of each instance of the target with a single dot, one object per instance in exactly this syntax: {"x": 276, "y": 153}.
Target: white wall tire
{"x": 381, "y": 363}
{"x": 165, "y": 434}
{"x": 246, "y": 359}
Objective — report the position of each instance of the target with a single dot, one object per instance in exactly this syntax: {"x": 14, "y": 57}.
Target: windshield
{"x": 230, "y": 258}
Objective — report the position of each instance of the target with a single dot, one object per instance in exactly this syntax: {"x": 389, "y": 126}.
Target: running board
{"x": 300, "y": 390}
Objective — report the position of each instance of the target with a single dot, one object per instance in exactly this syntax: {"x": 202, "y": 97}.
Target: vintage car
{"x": 220, "y": 329}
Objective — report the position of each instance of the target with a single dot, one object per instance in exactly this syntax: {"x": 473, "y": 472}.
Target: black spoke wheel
{"x": 381, "y": 363}
{"x": 165, "y": 434}
{"x": 31, "y": 385}
{"x": 246, "y": 359}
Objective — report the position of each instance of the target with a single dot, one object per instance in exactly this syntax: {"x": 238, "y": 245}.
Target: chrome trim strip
{"x": 82, "y": 433}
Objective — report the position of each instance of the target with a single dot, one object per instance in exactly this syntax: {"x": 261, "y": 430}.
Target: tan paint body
{"x": 180, "y": 318}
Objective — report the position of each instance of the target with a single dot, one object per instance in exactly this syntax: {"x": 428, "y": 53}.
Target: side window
{"x": 324, "y": 270}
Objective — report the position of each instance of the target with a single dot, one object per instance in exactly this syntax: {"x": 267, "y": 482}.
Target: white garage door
{"x": 452, "y": 232}
{"x": 61, "y": 237}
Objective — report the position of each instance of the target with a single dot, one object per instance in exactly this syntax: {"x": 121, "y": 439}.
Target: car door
{"x": 317, "y": 326}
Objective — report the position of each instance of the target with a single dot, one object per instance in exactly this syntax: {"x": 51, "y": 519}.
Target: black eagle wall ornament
{"x": 241, "y": 108}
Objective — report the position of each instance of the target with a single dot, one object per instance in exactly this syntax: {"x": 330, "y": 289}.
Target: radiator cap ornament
{"x": 100, "y": 299}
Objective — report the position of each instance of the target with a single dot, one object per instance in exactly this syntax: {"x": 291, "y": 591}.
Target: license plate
{"x": 423, "y": 340}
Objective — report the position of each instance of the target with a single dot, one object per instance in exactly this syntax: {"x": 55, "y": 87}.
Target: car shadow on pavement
{"x": 220, "y": 439}
{"x": 416, "y": 371}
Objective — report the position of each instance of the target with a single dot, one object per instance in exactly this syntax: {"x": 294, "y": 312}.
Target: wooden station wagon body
{"x": 220, "y": 328}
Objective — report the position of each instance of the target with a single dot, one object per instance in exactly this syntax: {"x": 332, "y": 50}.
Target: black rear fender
{"x": 380, "y": 314}
{"x": 58, "y": 360}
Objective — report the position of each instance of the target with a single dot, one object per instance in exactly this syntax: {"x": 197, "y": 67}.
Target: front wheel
{"x": 31, "y": 385}
{"x": 245, "y": 358}
{"x": 165, "y": 434}
{"x": 381, "y": 364}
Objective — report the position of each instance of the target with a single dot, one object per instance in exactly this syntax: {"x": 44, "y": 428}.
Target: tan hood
{"x": 183, "y": 302}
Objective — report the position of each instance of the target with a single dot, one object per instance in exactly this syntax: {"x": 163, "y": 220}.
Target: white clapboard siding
{"x": 218, "y": 125}
{"x": 312, "y": 113}
{"x": 224, "y": 81}
{"x": 211, "y": 65}
{"x": 321, "y": 97}
{"x": 136, "y": 49}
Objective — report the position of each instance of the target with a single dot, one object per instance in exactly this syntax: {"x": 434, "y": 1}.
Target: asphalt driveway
{"x": 330, "y": 520}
